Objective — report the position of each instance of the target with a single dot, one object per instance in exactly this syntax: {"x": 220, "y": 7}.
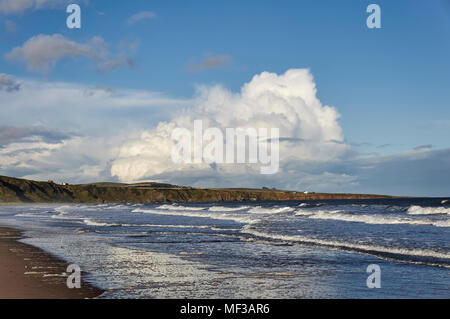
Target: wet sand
{"x": 27, "y": 272}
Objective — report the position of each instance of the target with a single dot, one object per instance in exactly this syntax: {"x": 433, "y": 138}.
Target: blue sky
{"x": 389, "y": 85}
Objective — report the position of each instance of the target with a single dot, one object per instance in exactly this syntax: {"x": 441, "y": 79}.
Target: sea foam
{"x": 179, "y": 207}
{"x": 350, "y": 246}
{"x": 375, "y": 219}
{"x": 275, "y": 210}
{"x": 418, "y": 210}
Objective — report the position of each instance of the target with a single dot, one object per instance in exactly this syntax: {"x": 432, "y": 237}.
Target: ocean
{"x": 292, "y": 249}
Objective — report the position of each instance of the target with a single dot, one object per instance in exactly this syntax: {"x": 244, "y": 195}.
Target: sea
{"x": 379, "y": 248}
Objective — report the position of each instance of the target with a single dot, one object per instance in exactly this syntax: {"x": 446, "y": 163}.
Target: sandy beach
{"x": 27, "y": 272}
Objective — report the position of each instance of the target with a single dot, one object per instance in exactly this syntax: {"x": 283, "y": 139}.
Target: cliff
{"x": 14, "y": 190}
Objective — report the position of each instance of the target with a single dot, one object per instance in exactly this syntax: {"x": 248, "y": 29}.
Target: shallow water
{"x": 295, "y": 249}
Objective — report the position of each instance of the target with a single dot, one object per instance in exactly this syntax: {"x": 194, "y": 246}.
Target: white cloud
{"x": 286, "y": 101}
{"x": 57, "y": 130}
{"x": 88, "y": 109}
{"x": 18, "y": 6}
{"x": 41, "y": 53}
{"x": 75, "y": 159}
{"x": 143, "y": 15}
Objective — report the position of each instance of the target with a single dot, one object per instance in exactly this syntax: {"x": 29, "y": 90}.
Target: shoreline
{"x": 28, "y": 272}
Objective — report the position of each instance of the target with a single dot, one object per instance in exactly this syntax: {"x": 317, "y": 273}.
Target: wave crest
{"x": 419, "y": 210}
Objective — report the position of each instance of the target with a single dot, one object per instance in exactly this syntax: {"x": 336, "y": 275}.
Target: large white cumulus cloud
{"x": 309, "y": 131}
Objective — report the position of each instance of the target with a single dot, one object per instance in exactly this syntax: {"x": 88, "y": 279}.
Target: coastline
{"x": 27, "y": 272}
{"x": 15, "y": 190}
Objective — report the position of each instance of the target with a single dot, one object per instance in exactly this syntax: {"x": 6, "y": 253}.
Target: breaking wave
{"x": 375, "y": 219}
{"x": 179, "y": 207}
{"x": 240, "y": 218}
{"x": 276, "y": 210}
{"x": 91, "y": 222}
{"x": 226, "y": 209}
{"x": 418, "y": 210}
{"x": 444, "y": 258}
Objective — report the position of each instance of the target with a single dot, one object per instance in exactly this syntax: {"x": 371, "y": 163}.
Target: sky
{"x": 359, "y": 110}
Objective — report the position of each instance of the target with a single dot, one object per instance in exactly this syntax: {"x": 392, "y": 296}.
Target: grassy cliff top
{"x": 15, "y": 190}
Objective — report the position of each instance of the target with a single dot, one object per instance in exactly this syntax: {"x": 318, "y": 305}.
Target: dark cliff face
{"x": 25, "y": 191}
{"x": 14, "y": 190}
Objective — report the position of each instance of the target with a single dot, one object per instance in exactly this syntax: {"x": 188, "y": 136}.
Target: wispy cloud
{"x": 210, "y": 62}
{"x": 143, "y": 15}
{"x": 112, "y": 64}
{"x": 9, "y": 83}
{"x": 88, "y": 108}
{"x": 12, "y": 134}
{"x": 359, "y": 144}
{"x": 11, "y": 27}
{"x": 423, "y": 147}
{"x": 41, "y": 53}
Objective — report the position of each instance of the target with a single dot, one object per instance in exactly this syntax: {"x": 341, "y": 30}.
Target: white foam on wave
{"x": 275, "y": 210}
{"x": 419, "y": 210}
{"x": 118, "y": 206}
{"x": 227, "y": 209}
{"x": 91, "y": 222}
{"x": 63, "y": 209}
{"x": 219, "y": 213}
{"x": 179, "y": 207}
{"x": 310, "y": 212}
{"x": 375, "y": 219}
{"x": 64, "y": 215}
{"x": 240, "y": 218}
{"x": 368, "y": 248}
{"x": 180, "y": 226}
